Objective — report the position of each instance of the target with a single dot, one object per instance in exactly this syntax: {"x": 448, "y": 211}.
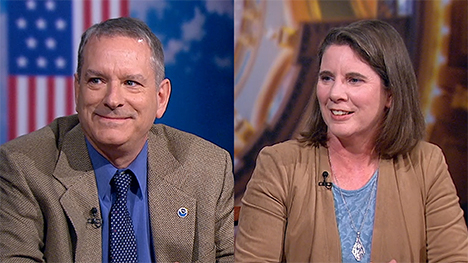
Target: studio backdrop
{"x": 275, "y": 70}
{"x": 38, "y": 51}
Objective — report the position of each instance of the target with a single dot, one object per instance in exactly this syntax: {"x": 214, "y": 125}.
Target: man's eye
{"x": 325, "y": 78}
{"x": 130, "y": 83}
{"x": 95, "y": 80}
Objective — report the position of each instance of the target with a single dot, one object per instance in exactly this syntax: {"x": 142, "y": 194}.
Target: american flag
{"x": 43, "y": 39}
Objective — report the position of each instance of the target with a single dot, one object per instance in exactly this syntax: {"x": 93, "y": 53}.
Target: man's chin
{"x": 109, "y": 140}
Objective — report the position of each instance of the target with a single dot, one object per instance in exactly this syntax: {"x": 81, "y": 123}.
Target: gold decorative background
{"x": 275, "y": 69}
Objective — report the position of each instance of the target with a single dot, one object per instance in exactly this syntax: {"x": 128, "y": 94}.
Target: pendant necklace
{"x": 358, "y": 250}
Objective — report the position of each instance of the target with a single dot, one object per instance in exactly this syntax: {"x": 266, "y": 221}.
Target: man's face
{"x": 117, "y": 97}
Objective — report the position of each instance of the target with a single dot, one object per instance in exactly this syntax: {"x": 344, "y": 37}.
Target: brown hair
{"x": 381, "y": 47}
{"x": 126, "y": 27}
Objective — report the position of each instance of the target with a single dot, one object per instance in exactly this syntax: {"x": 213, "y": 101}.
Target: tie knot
{"x": 121, "y": 181}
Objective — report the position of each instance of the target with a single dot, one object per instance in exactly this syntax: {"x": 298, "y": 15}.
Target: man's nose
{"x": 114, "y": 95}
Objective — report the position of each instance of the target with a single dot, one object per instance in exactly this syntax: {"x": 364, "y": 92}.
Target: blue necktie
{"x": 123, "y": 246}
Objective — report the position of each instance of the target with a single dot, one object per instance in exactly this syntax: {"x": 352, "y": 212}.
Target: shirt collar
{"x": 104, "y": 170}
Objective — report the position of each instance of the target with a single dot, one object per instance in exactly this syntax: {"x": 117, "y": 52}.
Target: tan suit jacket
{"x": 287, "y": 216}
{"x": 48, "y": 187}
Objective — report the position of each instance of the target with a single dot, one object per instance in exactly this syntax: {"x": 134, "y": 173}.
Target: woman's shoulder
{"x": 424, "y": 151}
{"x": 286, "y": 148}
{"x": 424, "y": 160}
{"x": 289, "y": 151}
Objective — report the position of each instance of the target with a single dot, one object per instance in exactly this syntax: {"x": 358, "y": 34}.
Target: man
{"x": 61, "y": 186}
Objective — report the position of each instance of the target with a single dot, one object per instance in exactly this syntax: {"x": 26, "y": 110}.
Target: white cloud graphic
{"x": 220, "y": 7}
{"x": 173, "y": 48}
{"x": 222, "y": 62}
{"x": 140, "y": 8}
{"x": 193, "y": 29}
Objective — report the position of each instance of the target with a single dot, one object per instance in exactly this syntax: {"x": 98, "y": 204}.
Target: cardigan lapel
{"x": 74, "y": 170}
{"x": 173, "y": 235}
{"x": 326, "y": 204}
{"x": 388, "y": 244}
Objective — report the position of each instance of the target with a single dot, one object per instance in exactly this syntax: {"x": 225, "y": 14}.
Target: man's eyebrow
{"x": 137, "y": 77}
{"x": 325, "y": 72}
{"x": 91, "y": 72}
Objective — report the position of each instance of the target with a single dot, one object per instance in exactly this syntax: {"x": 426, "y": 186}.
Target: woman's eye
{"x": 354, "y": 80}
{"x": 325, "y": 78}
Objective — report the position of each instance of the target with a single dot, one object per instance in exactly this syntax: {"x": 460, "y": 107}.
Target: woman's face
{"x": 351, "y": 95}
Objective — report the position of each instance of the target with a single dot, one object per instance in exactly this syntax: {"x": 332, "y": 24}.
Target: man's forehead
{"x": 117, "y": 42}
{"x": 99, "y": 38}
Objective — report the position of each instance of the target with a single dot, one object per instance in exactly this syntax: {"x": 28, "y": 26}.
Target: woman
{"x": 360, "y": 185}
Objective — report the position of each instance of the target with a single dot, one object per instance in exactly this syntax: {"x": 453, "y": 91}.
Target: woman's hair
{"x": 126, "y": 27}
{"x": 380, "y": 46}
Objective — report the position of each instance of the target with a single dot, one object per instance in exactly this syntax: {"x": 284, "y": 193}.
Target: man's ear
{"x": 77, "y": 90}
{"x": 163, "y": 94}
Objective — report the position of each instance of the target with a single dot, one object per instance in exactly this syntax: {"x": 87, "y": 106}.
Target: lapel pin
{"x": 182, "y": 212}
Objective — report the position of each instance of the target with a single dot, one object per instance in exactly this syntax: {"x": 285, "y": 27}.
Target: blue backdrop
{"x": 198, "y": 43}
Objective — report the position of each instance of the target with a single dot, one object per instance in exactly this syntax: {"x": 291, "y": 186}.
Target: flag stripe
{"x": 51, "y": 99}
{"x": 40, "y": 112}
{"x": 115, "y": 9}
{"x": 12, "y": 106}
{"x": 125, "y": 7}
{"x": 70, "y": 96}
{"x": 87, "y": 14}
{"x": 22, "y": 105}
{"x": 96, "y": 12}
{"x": 78, "y": 27}
{"x": 105, "y": 9}
{"x": 31, "y": 86}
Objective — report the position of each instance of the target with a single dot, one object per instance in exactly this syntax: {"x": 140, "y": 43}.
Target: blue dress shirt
{"x": 137, "y": 201}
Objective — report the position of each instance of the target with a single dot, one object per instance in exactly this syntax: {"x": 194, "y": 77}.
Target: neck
{"x": 351, "y": 146}
{"x": 119, "y": 156}
{"x": 352, "y": 165}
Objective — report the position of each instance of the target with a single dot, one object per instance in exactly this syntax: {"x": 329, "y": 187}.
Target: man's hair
{"x": 379, "y": 45}
{"x": 125, "y": 27}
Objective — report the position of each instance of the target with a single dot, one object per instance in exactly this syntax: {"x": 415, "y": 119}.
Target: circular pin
{"x": 182, "y": 212}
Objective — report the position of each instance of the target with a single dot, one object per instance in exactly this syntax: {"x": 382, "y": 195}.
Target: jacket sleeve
{"x": 262, "y": 221}
{"x": 224, "y": 236}
{"x": 21, "y": 223}
{"x": 447, "y": 237}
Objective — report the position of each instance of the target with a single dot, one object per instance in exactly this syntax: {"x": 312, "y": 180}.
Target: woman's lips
{"x": 340, "y": 112}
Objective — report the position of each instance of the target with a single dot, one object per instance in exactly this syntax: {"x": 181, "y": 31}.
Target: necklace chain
{"x": 358, "y": 250}
{"x": 349, "y": 212}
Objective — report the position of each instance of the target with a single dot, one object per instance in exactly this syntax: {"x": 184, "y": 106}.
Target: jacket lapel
{"x": 74, "y": 170}
{"x": 173, "y": 234}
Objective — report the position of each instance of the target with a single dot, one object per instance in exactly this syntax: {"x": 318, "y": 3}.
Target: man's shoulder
{"x": 39, "y": 149}
{"x": 185, "y": 145}
{"x": 174, "y": 136}
{"x": 44, "y": 139}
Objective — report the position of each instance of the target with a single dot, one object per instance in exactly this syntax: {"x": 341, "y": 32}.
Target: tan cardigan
{"x": 286, "y": 216}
